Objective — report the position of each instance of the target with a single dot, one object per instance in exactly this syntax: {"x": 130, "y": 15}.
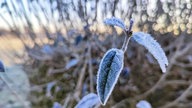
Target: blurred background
{"x": 52, "y": 49}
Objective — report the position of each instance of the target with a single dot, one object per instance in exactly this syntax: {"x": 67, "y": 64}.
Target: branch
{"x": 90, "y": 69}
{"x": 180, "y": 98}
{"x": 177, "y": 82}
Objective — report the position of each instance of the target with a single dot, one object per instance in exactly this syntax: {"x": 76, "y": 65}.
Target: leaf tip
{"x": 88, "y": 101}
{"x": 143, "y": 104}
{"x": 115, "y": 22}
{"x": 153, "y": 47}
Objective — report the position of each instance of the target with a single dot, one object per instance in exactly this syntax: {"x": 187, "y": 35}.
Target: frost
{"x": 88, "y": 101}
{"x": 115, "y": 22}
{"x": 57, "y": 105}
{"x": 71, "y": 63}
{"x": 143, "y": 104}
{"x": 47, "y": 49}
{"x": 108, "y": 73}
{"x": 49, "y": 87}
{"x": 153, "y": 47}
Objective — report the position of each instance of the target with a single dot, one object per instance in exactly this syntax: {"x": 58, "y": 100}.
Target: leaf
{"x": 50, "y": 85}
{"x": 57, "y": 105}
{"x": 71, "y": 63}
{"x": 153, "y": 47}
{"x": 108, "y": 73}
{"x": 150, "y": 58}
{"x": 47, "y": 50}
{"x": 88, "y": 101}
{"x": 115, "y": 22}
{"x": 143, "y": 104}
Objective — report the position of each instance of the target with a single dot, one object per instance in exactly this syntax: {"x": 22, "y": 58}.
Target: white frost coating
{"x": 115, "y": 22}
{"x": 71, "y": 63}
{"x": 49, "y": 87}
{"x": 153, "y": 47}
{"x": 108, "y": 73}
{"x": 88, "y": 101}
{"x": 47, "y": 50}
{"x": 143, "y": 104}
{"x": 57, "y": 105}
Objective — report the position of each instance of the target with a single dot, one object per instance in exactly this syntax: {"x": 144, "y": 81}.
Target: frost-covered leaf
{"x": 150, "y": 58}
{"x": 143, "y": 104}
{"x": 2, "y": 68}
{"x": 108, "y": 73}
{"x": 115, "y": 22}
{"x": 88, "y": 101}
{"x": 71, "y": 63}
{"x": 49, "y": 87}
{"x": 47, "y": 49}
{"x": 57, "y": 105}
{"x": 153, "y": 47}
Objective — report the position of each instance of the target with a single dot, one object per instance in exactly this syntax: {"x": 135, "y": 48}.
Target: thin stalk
{"x": 128, "y": 33}
{"x": 125, "y": 44}
{"x": 90, "y": 69}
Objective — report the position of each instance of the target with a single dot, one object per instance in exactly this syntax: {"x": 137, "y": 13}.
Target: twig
{"x": 80, "y": 80}
{"x": 41, "y": 58}
{"x": 67, "y": 99}
{"x": 183, "y": 65}
{"x": 54, "y": 71}
{"x": 180, "y": 98}
{"x": 128, "y": 33}
{"x": 124, "y": 47}
{"x": 177, "y": 82}
{"x": 90, "y": 69}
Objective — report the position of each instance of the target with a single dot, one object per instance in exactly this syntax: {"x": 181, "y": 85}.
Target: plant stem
{"x": 128, "y": 33}
{"x": 125, "y": 44}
